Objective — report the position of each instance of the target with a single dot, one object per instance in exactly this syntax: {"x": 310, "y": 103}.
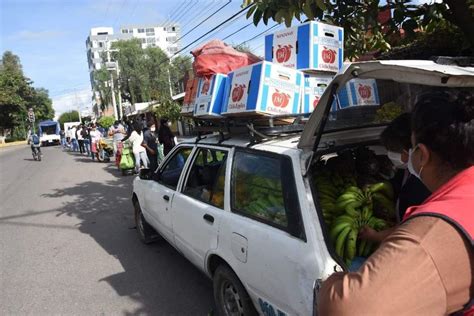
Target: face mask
{"x": 396, "y": 159}
{"x": 169, "y": 123}
{"x": 411, "y": 168}
{"x": 152, "y": 128}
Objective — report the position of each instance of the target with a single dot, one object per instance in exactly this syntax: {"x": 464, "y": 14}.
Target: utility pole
{"x": 112, "y": 85}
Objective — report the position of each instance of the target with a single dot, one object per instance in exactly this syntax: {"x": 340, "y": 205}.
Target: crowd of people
{"x": 147, "y": 139}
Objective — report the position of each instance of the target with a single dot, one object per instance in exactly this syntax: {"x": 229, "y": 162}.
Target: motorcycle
{"x": 36, "y": 152}
{"x": 104, "y": 150}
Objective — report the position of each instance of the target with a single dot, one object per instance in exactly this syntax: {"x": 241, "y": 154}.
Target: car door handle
{"x": 166, "y": 197}
{"x": 208, "y": 218}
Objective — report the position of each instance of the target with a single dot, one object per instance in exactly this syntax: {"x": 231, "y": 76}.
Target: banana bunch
{"x": 345, "y": 230}
{"x": 330, "y": 186}
{"x": 357, "y": 206}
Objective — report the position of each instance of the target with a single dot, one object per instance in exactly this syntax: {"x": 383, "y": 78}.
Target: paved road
{"x": 68, "y": 244}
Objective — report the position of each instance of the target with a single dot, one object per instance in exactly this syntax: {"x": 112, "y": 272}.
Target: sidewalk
{"x": 21, "y": 142}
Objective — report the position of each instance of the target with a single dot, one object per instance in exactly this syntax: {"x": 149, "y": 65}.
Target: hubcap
{"x": 232, "y": 303}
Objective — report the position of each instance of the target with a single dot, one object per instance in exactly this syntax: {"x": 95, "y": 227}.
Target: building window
{"x": 141, "y": 30}
{"x": 101, "y": 44}
{"x": 143, "y": 40}
{"x": 172, "y": 49}
{"x": 150, "y": 40}
{"x": 125, "y": 31}
{"x": 173, "y": 29}
{"x": 171, "y": 39}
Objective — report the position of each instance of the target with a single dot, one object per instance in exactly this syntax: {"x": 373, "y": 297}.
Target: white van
{"x": 269, "y": 255}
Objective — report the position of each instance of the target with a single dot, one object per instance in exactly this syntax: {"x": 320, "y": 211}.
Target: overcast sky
{"x": 49, "y": 35}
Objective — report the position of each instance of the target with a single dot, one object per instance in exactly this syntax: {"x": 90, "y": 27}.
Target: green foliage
{"x": 361, "y": 21}
{"x": 169, "y": 109}
{"x": 101, "y": 79}
{"x": 17, "y": 95}
{"x": 106, "y": 121}
{"x": 71, "y": 116}
{"x": 388, "y": 112}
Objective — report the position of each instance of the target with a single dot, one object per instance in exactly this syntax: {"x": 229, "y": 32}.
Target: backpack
{"x": 35, "y": 139}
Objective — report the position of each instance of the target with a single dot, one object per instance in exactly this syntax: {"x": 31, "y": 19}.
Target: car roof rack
{"x": 461, "y": 61}
{"x": 258, "y": 128}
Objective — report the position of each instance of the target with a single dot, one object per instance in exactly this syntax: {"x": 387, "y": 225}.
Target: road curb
{"x": 23, "y": 142}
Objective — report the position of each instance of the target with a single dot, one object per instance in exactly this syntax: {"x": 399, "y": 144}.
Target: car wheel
{"x": 101, "y": 155}
{"x": 230, "y": 296}
{"x": 146, "y": 233}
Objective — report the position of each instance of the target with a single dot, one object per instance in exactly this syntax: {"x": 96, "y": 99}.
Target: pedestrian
{"x": 68, "y": 138}
{"x": 80, "y": 139}
{"x": 426, "y": 266}
{"x": 166, "y": 136}
{"x": 95, "y": 138}
{"x": 75, "y": 146}
{"x": 409, "y": 190}
{"x": 62, "y": 135}
{"x": 86, "y": 139}
{"x": 136, "y": 138}
{"x": 117, "y": 131}
{"x": 150, "y": 143}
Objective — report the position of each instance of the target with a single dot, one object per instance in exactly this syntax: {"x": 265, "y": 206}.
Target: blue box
{"x": 263, "y": 88}
{"x": 311, "y": 46}
{"x": 210, "y": 95}
{"x": 357, "y": 92}
{"x": 314, "y": 87}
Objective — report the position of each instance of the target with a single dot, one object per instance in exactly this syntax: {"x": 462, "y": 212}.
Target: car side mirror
{"x": 145, "y": 174}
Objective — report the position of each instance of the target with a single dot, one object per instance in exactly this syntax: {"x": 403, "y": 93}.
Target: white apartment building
{"x": 164, "y": 37}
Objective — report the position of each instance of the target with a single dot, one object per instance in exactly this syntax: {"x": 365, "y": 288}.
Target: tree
{"x": 368, "y": 24}
{"x": 101, "y": 80}
{"x": 17, "y": 95}
{"x": 71, "y": 116}
{"x": 106, "y": 121}
{"x": 168, "y": 109}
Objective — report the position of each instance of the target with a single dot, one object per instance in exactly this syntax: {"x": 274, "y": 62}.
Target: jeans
{"x": 81, "y": 145}
{"x": 75, "y": 145}
{"x": 87, "y": 146}
{"x": 140, "y": 157}
{"x": 63, "y": 143}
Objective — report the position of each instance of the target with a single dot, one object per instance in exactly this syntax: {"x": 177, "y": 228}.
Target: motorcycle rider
{"x": 35, "y": 144}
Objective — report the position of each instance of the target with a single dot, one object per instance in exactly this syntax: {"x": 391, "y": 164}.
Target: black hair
{"x": 150, "y": 123}
{"x": 444, "y": 122}
{"x": 397, "y": 135}
{"x": 137, "y": 127}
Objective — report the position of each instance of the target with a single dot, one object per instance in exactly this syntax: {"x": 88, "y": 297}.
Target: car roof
{"x": 273, "y": 144}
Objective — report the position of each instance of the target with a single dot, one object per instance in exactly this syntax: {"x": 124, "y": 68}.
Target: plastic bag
{"x": 160, "y": 154}
{"x": 218, "y": 57}
{"x": 127, "y": 160}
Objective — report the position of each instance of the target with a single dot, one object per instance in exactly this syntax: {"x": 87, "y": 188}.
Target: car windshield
{"x": 371, "y": 102}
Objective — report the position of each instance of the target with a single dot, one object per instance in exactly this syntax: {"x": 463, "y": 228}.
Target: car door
{"x": 161, "y": 191}
{"x": 198, "y": 206}
{"x": 264, "y": 237}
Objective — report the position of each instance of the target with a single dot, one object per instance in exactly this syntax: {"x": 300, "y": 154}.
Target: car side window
{"x": 206, "y": 177}
{"x": 171, "y": 172}
{"x": 263, "y": 188}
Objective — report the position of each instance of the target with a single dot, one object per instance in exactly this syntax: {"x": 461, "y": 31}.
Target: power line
{"x": 176, "y": 9}
{"x": 239, "y": 30}
{"x": 215, "y": 28}
{"x": 177, "y": 12}
{"x": 184, "y": 12}
{"x": 214, "y": 13}
{"x": 201, "y": 13}
{"x": 259, "y": 34}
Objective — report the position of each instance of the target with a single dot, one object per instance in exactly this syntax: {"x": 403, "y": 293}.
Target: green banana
{"x": 361, "y": 247}
{"x": 367, "y": 213}
{"x": 343, "y": 204}
{"x": 384, "y": 202}
{"x": 337, "y": 229}
{"x": 383, "y": 187}
{"x": 367, "y": 249}
{"x": 351, "y": 209}
{"x": 340, "y": 241}
{"x": 351, "y": 244}
{"x": 348, "y": 196}
{"x": 356, "y": 190}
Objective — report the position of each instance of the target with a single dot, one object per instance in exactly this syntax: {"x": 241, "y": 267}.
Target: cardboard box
{"x": 357, "y": 92}
{"x": 190, "y": 96}
{"x": 210, "y": 94}
{"x": 314, "y": 87}
{"x": 311, "y": 46}
{"x": 263, "y": 88}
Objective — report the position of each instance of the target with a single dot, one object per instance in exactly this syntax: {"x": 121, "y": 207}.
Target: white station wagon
{"x": 270, "y": 256}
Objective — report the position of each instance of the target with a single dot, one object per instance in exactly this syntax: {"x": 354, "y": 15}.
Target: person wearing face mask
{"x": 426, "y": 266}
{"x": 150, "y": 144}
{"x": 409, "y": 190}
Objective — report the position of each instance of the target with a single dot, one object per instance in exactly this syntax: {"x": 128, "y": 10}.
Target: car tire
{"x": 146, "y": 233}
{"x": 230, "y": 296}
